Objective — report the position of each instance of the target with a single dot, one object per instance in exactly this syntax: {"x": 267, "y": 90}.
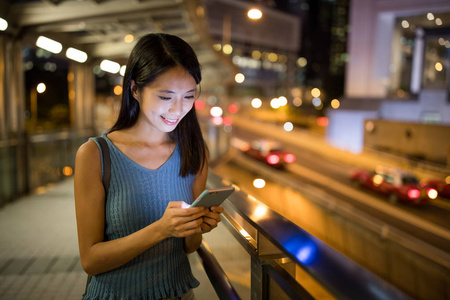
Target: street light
{"x": 254, "y": 14}
{"x": 49, "y": 44}
{"x": 3, "y": 24}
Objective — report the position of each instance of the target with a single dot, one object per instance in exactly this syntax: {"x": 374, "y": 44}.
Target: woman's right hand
{"x": 181, "y": 222}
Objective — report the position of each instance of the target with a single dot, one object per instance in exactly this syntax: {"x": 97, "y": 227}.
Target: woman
{"x": 134, "y": 241}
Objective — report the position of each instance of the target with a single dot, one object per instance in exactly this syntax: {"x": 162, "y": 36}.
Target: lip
{"x": 170, "y": 122}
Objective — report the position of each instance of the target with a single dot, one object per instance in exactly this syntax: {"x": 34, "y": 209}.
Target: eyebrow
{"x": 172, "y": 92}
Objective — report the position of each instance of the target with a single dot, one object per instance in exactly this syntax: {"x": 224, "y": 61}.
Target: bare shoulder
{"x": 87, "y": 168}
{"x": 88, "y": 153}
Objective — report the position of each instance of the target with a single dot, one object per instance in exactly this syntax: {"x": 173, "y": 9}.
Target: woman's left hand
{"x": 211, "y": 219}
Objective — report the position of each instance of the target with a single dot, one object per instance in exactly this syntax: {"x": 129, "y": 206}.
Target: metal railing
{"x": 216, "y": 275}
{"x": 281, "y": 254}
{"x": 28, "y": 162}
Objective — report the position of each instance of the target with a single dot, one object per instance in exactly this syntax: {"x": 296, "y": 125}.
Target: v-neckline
{"x": 135, "y": 163}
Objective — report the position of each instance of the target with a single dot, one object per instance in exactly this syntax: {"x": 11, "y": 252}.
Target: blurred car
{"x": 270, "y": 152}
{"x": 395, "y": 184}
{"x": 442, "y": 186}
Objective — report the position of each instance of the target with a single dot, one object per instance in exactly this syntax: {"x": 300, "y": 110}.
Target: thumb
{"x": 176, "y": 204}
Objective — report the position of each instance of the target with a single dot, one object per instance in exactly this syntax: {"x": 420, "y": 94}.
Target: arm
{"x": 210, "y": 220}
{"x": 98, "y": 256}
{"x": 191, "y": 243}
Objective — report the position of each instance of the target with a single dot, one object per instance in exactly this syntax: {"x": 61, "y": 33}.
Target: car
{"x": 395, "y": 184}
{"x": 270, "y": 152}
{"x": 442, "y": 186}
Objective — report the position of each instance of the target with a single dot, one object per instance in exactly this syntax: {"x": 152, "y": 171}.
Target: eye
{"x": 190, "y": 97}
{"x": 164, "y": 98}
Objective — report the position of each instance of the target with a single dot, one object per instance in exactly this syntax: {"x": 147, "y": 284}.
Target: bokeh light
{"x": 217, "y": 121}
{"x": 259, "y": 183}
{"x": 283, "y": 101}
{"x": 275, "y": 103}
{"x": 200, "y": 104}
{"x": 256, "y": 103}
{"x": 302, "y": 62}
{"x": 315, "y": 92}
{"x": 316, "y": 102}
{"x": 289, "y": 158}
{"x": 233, "y": 108}
{"x": 297, "y": 101}
{"x": 128, "y": 38}
{"x": 227, "y": 49}
{"x": 227, "y": 121}
{"x": 254, "y": 14}
{"x": 288, "y": 126}
{"x": 335, "y": 103}
{"x": 322, "y": 121}
{"x": 3, "y": 24}
{"x": 273, "y": 159}
{"x": 239, "y": 78}
{"x": 67, "y": 171}
{"x": 118, "y": 90}
{"x": 41, "y": 87}
{"x": 216, "y": 111}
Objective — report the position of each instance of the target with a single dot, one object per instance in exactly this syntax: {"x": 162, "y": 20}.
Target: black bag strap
{"x": 105, "y": 179}
{"x": 106, "y": 163}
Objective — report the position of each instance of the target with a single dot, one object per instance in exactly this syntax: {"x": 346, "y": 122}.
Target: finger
{"x": 213, "y": 215}
{"x": 210, "y": 222}
{"x": 191, "y": 232}
{"x": 175, "y": 204}
{"x": 217, "y": 209}
{"x": 193, "y": 210}
{"x": 189, "y": 213}
{"x": 179, "y": 209}
{"x": 205, "y": 227}
{"x": 192, "y": 224}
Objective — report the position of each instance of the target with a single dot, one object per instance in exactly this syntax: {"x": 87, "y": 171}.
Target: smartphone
{"x": 213, "y": 197}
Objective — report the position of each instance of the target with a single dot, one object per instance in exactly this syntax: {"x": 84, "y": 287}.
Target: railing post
{"x": 259, "y": 280}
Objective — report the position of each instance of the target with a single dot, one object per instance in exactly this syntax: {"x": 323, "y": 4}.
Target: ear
{"x": 134, "y": 90}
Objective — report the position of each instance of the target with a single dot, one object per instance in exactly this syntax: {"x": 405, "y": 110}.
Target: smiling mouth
{"x": 169, "y": 121}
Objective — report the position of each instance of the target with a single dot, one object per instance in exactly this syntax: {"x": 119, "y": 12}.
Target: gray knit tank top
{"x": 138, "y": 197}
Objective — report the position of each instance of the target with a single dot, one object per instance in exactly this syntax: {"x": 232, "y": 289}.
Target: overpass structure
{"x": 277, "y": 250}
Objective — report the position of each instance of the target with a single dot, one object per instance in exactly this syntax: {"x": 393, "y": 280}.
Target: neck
{"x": 149, "y": 137}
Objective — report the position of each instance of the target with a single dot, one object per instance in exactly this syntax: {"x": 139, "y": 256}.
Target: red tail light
{"x": 289, "y": 158}
{"x": 273, "y": 159}
{"x": 414, "y": 193}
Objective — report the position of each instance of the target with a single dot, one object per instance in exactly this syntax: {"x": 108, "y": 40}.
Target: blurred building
{"x": 397, "y": 79}
{"x": 264, "y": 50}
{"x": 49, "y": 96}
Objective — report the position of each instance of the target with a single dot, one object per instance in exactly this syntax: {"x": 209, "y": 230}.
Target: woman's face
{"x": 165, "y": 101}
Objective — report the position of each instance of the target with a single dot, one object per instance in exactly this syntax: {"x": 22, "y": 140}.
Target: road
{"x": 430, "y": 223}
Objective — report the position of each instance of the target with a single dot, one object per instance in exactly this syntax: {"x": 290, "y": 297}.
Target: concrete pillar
{"x": 81, "y": 97}
{"x": 2, "y": 88}
{"x": 14, "y": 88}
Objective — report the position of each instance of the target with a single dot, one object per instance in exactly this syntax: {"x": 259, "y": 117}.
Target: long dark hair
{"x": 153, "y": 54}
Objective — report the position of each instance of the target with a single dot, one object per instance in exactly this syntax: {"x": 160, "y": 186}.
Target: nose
{"x": 176, "y": 107}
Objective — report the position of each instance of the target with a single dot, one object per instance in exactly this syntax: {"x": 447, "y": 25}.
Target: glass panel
{"x": 436, "y": 62}
{"x": 401, "y": 61}
{"x": 7, "y": 174}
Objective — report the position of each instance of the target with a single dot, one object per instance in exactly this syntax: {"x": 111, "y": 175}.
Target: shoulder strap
{"x": 106, "y": 163}
{"x": 105, "y": 179}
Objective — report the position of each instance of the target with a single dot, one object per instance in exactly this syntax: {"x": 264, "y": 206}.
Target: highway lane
{"x": 340, "y": 172}
{"x": 241, "y": 170}
{"x": 429, "y": 223}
